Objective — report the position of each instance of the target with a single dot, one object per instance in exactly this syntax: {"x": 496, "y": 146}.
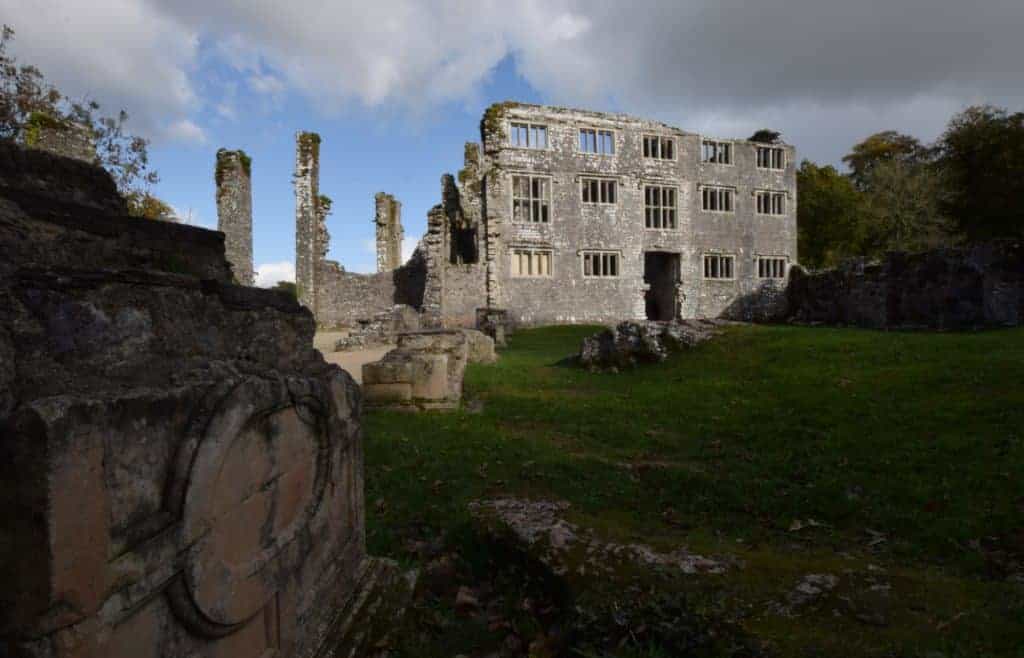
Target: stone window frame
{"x": 731, "y": 257}
{"x": 516, "y": 250}
{"x": 723, "y": 142}
{"x": 530, "y": 125}
{"x": 531, "y": 201}
{"x": 613, "y": 133}
{"x": 770, "y": 261}
{"x": 675, "y": 217}
{"x": 584, "y": 179}
{"x": 771, "y": 160}
{"x": 772, "y": 196}
{"x": 616, "y": 253}
{"x": 734, "y": 197}
{"x": 644, "y": 137}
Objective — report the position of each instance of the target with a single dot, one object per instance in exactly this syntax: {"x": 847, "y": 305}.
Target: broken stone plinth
{"x": 181, "y": 470}
{"x": 480, "y": 347}
{"x": 633, "y": 342}
{"x": 494, "y": 323}
{"x": 409, "y": 379}
{"x": 425, "y": 371}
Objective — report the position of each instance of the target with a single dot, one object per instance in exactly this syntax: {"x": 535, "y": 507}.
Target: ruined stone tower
{"x": 388, "y": 219}
{"x": 308, "y": 218}
{"x": 234, "y": 211}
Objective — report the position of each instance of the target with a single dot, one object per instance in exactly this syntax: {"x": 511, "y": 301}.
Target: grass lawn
{"x": 894, "y": 461}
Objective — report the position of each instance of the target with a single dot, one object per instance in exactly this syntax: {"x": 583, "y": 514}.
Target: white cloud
{"x": 805, "y": 66}
{"x": 186, "y": 131}
{"x": 408, "y": 246}
{"x": 122, "y": 53}
{"x": 268, "y": 274}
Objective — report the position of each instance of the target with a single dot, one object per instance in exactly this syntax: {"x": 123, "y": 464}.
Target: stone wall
{"x": 181, "y": 470}
{"x": 234, "y": 211}
{"x": 64, "y": 138}
{"x": 471, "y": 235}
{"x": 388, "y": 221}
{"x": 567, "y": 295}
{"x": 962, "y": 288}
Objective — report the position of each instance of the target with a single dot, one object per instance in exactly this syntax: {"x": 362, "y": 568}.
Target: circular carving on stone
{"x": 255, "y": 481}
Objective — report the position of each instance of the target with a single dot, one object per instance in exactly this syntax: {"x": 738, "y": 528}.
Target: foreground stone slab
{"x": 181, "y": 471}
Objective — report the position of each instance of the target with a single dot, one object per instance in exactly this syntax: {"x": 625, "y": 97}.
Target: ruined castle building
{"x": 308, "y": 219}
{"x": 388, "y": 219}
{"x": 602, "y": 217}
{"x": 234, "y": 211}
{"x": 571, "y": 216}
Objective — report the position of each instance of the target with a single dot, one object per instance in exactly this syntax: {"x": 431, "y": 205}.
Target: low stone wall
{"x": 181, "y": 471}
{"x": 346, "y": 298}
{"x": 961, "y": 288}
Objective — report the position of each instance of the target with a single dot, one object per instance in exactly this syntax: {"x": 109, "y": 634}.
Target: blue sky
{"x": 363, "y": 152}
{"x": 395, "y": 87}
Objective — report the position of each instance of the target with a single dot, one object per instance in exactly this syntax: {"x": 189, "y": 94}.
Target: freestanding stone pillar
{"x": 388, "y": 219}
{"x": 234, "y": 211}
{"x": 180, "y": 470}
{"x": 307, "y": 216}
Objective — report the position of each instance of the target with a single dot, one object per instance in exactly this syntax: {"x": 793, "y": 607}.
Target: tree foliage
{"x": 147, "y": 206}
{"x": 903, "y": 213}
{"x": 287, "y": 287}
{"x": 981, "y": 157}
{"x": 27, "y": 101}
{"x": 831, "y": 216}
{"x": 886, "y": 146}
{"x": 766, "y": 136}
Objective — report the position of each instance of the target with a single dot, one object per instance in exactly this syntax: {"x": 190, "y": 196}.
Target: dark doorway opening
{"x": 661, "y": 273}
{"x": 463, "y": 245}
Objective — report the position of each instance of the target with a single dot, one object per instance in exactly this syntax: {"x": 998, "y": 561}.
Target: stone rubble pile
{"x": 632, "y": 342}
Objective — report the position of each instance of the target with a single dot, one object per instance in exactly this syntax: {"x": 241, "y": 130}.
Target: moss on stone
{"x": 309, "y": 143}
{"x": 492, "y": 122}
{"x": 36, "y": 122}
{"x": 224, "y": 158}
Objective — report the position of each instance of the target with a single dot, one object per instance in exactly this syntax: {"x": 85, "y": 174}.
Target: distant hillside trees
{"x": 27, "y": 101}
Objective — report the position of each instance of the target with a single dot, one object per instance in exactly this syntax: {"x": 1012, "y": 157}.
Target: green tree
{"x": 981, "y": 157}
{"x": 903, "y": 211}
{"x": 830, "y": 216}
{"x": 765, "y": 136}
{"x": 28, "y": 101}
{"x": 885, "y": 146}
{"x": 287, "y": 287}
{"x": 147, "y": 206}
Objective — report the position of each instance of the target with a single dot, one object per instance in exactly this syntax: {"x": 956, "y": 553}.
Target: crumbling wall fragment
{"x": 234, "y": 211}
{"x": 308, "y": 251}
{"x": 388, "y": 221}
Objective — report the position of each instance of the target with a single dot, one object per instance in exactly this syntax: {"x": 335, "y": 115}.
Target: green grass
{"x": 905, "y": 449}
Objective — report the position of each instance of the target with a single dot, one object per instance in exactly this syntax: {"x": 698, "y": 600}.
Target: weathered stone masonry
{"x": 731, "y": 262}
{"x": 388, "y": 220}
{"x": 234, "y": 211}
{"x": 181, "y": 471}
{"x": 307, "y": 216}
